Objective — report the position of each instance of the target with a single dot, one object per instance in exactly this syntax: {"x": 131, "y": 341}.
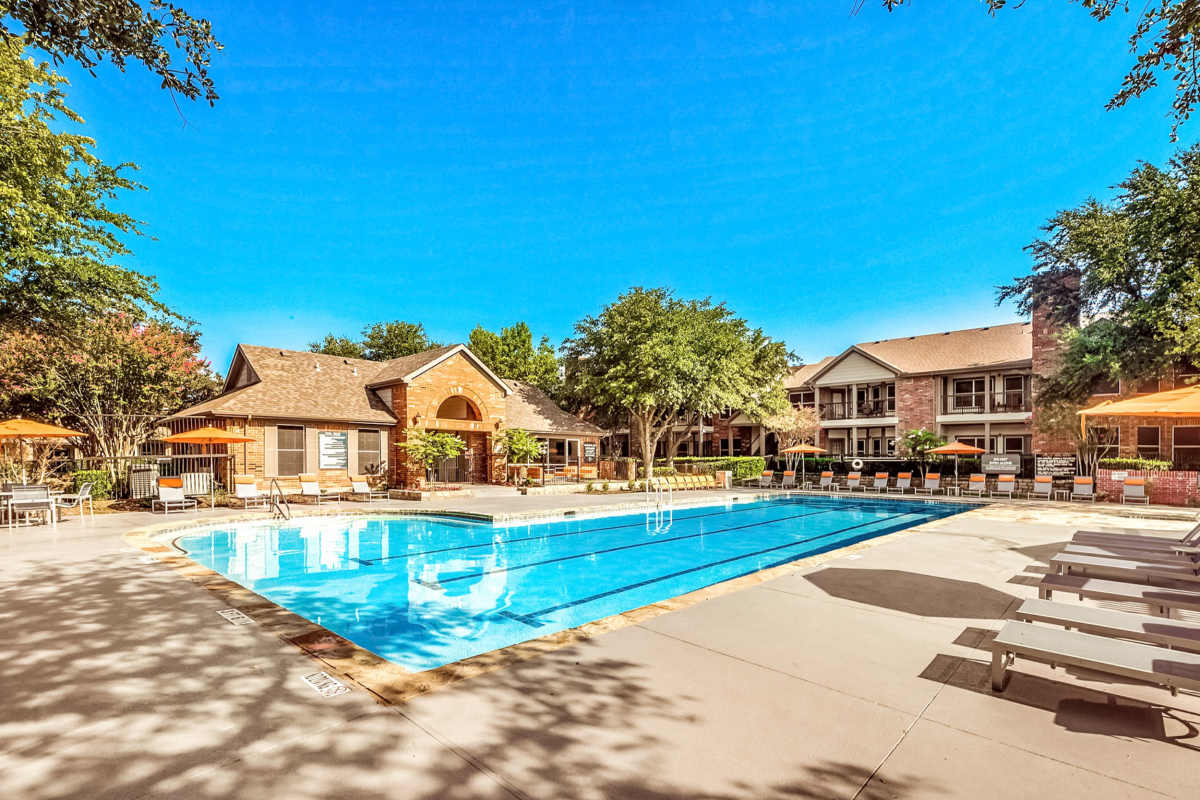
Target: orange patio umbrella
{"x": 957, "y": 449}
{"x": 26, "y": 429}
{"x": 802, "y": 450}
{"x": 204, "y": 437}
{"x": 1183, "y": 402}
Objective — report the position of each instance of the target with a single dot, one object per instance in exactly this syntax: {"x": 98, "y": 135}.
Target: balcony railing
{"x": 868, "y": 410}
{"x": 1008, "y": 402}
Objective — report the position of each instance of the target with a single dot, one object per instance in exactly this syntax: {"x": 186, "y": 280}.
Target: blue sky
{"x": 833, "y": 177}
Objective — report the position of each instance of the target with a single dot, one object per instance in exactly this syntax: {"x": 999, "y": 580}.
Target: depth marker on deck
{"x": 325, "y": 684}
{"x": 235, "y": 617}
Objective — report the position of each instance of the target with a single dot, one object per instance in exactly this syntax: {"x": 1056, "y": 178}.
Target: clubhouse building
{"x": 309, "y": 413}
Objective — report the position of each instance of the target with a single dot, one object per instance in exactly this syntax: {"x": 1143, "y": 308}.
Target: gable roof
{"x": 531, "y": 409}
{"x": 295, "y": 384}
{"x": 800, "y": 375}
{"x": 952, "y": 351}
{"x": 405, "y": 368}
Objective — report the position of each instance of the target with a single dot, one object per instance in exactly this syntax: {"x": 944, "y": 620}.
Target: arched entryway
{"x": 458, "y": 407}
{"x": 451, "y": 414}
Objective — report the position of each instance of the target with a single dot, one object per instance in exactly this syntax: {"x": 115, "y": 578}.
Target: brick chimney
{"x": 1047, "y": 324}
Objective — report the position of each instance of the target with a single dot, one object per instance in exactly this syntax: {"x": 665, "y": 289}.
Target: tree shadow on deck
{"x": 122, "y": 681}
{"x": 913, "y": 592}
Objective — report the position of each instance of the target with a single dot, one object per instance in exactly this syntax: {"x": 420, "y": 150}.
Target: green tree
{"x": 1121, "y": 278}
{"x": 430, "y": 448}
{"x": 512, "y": 354}
{"x": 386, "y": 340}
{"x": 917, "y": 443}
{"x": 657, "y": 357}
{"x": 58, "y": 235}
{"x": 114, "y": 383}
{"x": 380, "y": 341}
{"x": 157, "y": 33}
{"x": 522, "y": 448}
{"x": 338, "y": 346}
{"x": 1165, "y": 41}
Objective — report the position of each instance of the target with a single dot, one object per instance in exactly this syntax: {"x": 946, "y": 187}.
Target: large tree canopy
{"x": 1164, "y": 41}
{"x": 1123, "y": 278}
{"x": 58, "y": 235}
{"x": 172, "y": 44}
{"x": 661, "y": 360}
{"x": 380, "y": 342}
{"x": 511, "y": 354}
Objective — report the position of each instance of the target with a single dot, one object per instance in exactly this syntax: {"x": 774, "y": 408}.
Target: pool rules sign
{"x": 333, "y": 450}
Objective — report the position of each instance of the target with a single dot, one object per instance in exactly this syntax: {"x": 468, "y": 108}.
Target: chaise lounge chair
{"x": 245, "y": 488}
{"x": 1043, "y": 487}
{"x": 853, "y": 481}
{"x": 931, "y": 484}
{"x": 1005, "y": 484}
{"x": 789, "y": 479}
{"x": 826, "y": 483}
{"x": 171, "y": 497}
{"x": 903, "y": 483}
{"x": 880, "y": 483}
{"x": 1083, "y": 488}
{"x": 311, "y": 487}
{"x": 359, "y": 486}
{"x": 1134, "y": 491}
{"x": 977, "y": 485}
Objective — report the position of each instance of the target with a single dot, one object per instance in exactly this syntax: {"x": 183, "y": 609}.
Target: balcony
{"x": 1010, "y": 402}
{"x": 867, "y": 410}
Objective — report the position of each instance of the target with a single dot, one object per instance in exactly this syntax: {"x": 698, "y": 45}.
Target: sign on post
{"x": 333, "y": 450}
{"x": 589, "y": 452}
{"x": 1005, "y": 463}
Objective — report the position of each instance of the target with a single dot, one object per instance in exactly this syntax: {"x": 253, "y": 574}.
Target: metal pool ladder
{"x": 279, "y": 503}
{"x": 663, "y": 515}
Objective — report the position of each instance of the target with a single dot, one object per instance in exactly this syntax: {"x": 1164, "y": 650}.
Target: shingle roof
{"x": 800, "y": 375}
{"x": 530, "y": 408}
{"x": 294, "y": 384}
{"x": 952, "y": 351}
{"x": 396, "y": 369}
{"x": 956, "y": 350}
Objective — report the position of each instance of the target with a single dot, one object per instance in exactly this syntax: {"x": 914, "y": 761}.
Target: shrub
{"x": 591, "y": 487}
{"x": 740, "y": 466}
{"x": 1148, "y": 464}
{"x": 604, "y": 486}
{"x": 660, "y": 472}
{"x": 102, "y": 488}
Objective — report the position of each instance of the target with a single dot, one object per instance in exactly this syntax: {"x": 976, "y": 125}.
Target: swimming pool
{"x": 428, "y": 591}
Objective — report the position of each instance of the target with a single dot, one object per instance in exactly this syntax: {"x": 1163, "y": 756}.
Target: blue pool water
{"x": 427, "y": 591}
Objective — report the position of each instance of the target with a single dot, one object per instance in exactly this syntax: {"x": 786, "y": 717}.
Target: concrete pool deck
{"x": 864, "y": 676}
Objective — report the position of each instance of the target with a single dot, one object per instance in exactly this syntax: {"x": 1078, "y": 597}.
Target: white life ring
{"x": 857, "y": 464}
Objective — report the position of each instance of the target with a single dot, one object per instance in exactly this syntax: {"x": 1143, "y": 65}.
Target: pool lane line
{"x": 531, "y": 619}
{"x": 631, "y": 546}
{"x": 751, "y": 507}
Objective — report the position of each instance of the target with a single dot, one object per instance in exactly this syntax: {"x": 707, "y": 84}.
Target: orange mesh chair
{"x": 245, "y": 488}
{"x": 853, "y": 481}
{"x": 931, "y": 484}
{"x": 1134, "y": 491}
{"x": 170, "y": 496}
{"x": 826, "y": 483}
{"x": 1084, "y": 488}
{"x": 977, "y": 485}
{"x": 1043, "y": 486}
{"x": 881, "y": 482}
{"x": 1005, "y": 484}
{"x": 903, "y": 483}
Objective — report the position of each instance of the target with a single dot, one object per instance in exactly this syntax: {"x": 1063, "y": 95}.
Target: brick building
{"x": 316, "y": 413}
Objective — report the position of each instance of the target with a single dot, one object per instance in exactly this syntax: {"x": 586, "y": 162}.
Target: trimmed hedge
{"x": 102, "y": 488}
{"x": 740, "y": 466}
{"x": 1148, "y": 464}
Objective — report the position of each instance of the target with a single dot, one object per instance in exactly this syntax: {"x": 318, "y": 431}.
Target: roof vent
{"x": 317, "y": 366}
{"x": 355, "y": 370}
{"x": 986, "y": 328}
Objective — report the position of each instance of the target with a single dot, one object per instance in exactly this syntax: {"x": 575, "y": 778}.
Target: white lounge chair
{"x": 171, "y": 497}
{"x": 789, "y": 479}
{"x": 931, "y": 484}
{"x": 1134, "y": 491}
{"x": 77, "y": 500}
{"x": 30, "y": 499}
{"x": 1173, "y": 669}
{"x": 311, "y": 487}
{"x": 1043, "y": 487}
{"x": 903, "y": 483}
{"x": 1005, "y": 484}
{"x": 853, "y": 481}
{"x": 826, "y": 483}
{"x": 1126, "y": 567}
{"x": 1163, "y": 600}
{"x": 1083, "y": 488}
{"x": 359, "y": 485}
{"x": 880, "y": 483}
{"x": 245, "y": 488}
{"x": 977, "y": 485}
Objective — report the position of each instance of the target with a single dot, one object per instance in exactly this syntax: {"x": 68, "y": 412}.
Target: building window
{"x": 1012, "y": 397}
{"x": 369, "y": 460}
{"x": 802, "y": 398}
{"x": 968, "y": 393}
{"x": 1012, "y": 444}
{"x": 974, "y": 441}
{"x": 1108, "y": 442}
{"x": 1105, "y": 385}
{"x": 1148, "y": 441}
{"x": 1186, "y": 445}
{"x": 290, "y": 450}
{"x": 891, "y": 398}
